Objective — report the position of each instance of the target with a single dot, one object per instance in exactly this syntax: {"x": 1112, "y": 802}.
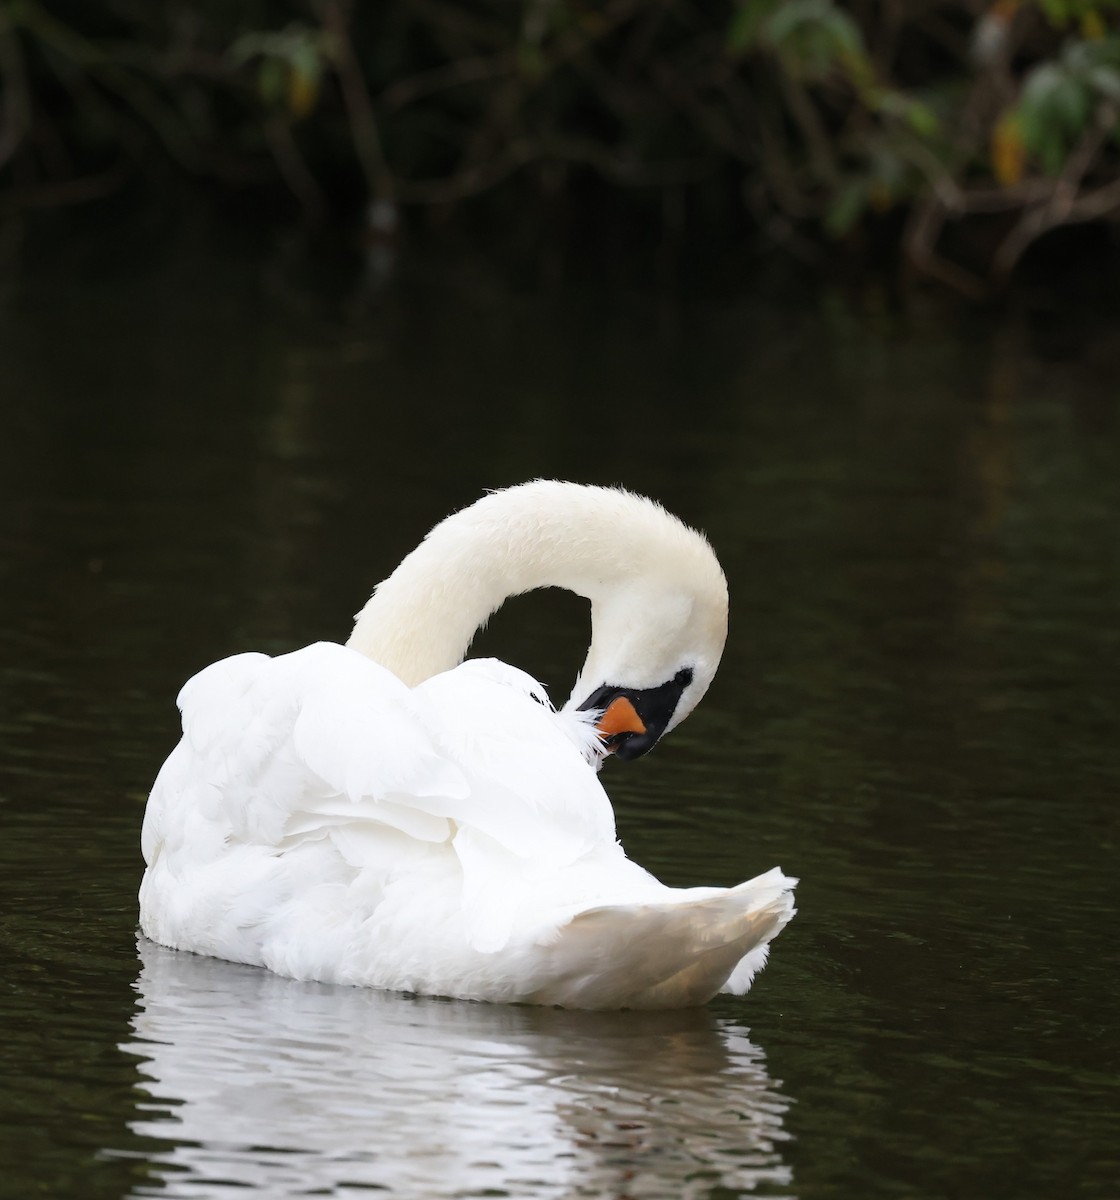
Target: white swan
{"x": 385, "y": 814}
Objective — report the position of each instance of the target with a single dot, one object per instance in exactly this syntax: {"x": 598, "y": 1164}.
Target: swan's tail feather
{"x": 674, "y": 953}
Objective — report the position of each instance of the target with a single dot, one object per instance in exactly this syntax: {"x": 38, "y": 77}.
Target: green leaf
{"x": 748, "y": 24}
{"x": 1053, "y": 111}
{"x": 922, "y": 119}
{"x": 888, "y": 170}
{"x": 530, "y": 60}
{"x": 305, "y": 60}
{"x": 1073, "y": 105}
{"x": 1058, "y": 12}
{"x": 813, "y": 37}
{"x": 846, "y": 208}
{"x": 270, "y": 81}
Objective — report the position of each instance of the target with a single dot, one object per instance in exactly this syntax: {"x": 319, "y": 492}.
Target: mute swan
{"x": 385, "y": 814}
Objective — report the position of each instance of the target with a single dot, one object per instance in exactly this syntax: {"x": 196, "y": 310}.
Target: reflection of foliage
{"x": 815, "y": 118}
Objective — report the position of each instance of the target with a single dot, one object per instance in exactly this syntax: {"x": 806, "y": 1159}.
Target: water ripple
{"x": 259, "y": 1081}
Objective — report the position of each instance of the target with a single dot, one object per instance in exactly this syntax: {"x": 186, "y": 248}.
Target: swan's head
{"x": 656, "y": 642}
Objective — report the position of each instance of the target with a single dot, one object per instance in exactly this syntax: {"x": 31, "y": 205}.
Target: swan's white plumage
{"x": 324, "y": 820}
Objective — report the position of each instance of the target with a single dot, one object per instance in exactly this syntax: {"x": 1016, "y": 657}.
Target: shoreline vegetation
{"x": 950, "y": 138}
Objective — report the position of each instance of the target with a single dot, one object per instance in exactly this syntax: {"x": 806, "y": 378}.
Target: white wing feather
{"x": 292, "y": 747}
{"x": 530, "y": 789}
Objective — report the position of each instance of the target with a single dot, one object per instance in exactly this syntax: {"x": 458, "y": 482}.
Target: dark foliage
{"x": 959, "y": 132}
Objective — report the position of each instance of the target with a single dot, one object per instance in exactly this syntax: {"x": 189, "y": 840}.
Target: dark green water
{"x": 204, "y": 451}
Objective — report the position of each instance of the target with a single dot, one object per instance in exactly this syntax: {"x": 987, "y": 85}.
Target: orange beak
{"x": 620, "y": 717}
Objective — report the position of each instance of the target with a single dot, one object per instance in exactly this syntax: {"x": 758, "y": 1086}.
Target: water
{"x": 293, "y": 1087}
{"x": 208, "y": 449}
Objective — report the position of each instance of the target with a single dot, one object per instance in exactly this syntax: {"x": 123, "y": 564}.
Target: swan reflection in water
{"x": 291, "y": 1088}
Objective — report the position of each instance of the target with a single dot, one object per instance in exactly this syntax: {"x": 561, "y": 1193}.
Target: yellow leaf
{"x": 879, "y": 197}
{"x": 302, "y": 91}
{"x": 1009, "y": 154}
{"x": 1093, "y": 27}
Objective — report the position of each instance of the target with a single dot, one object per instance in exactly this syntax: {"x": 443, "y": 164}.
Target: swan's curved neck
{"x": 592, "y": 541}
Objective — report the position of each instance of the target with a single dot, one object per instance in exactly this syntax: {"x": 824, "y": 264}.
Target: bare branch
{"x": 363, "y": 124}
{"x": 452, "y": 75}
{"x": 293, "y": 168}
{"x": 1064, "y": 206}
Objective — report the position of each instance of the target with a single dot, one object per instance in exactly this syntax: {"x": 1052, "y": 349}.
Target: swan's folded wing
{"x": 325, "y": 744}
{"x": 308, "y": 741}
{"x": 531, "y": 788}
{"x": 363, "y": 743}
{"x": 227, "y": 722}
